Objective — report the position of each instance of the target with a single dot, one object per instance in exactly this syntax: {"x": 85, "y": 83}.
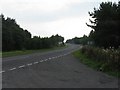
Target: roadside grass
{"x": 25, "y": 52}
{"x": 0, "y": 54}
{"x": 93, "y": 63}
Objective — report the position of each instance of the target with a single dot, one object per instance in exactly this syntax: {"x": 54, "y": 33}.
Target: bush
{"x": 109, "y": 58}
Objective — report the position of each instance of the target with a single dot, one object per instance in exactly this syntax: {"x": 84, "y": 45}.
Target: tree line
{"x": 16, "y": 38}
{"x": 78, "y": 40}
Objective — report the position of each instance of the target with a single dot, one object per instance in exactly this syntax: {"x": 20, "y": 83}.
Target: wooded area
{"x": 16, "y": 38}
{"x": 105, "y": 31}
{"x": 78, "y": 40}
{"x": 101, "y": 48}
{"x": 105, "y": 24}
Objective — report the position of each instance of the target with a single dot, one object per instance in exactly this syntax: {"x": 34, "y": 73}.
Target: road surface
{"x": 53, "y": 69}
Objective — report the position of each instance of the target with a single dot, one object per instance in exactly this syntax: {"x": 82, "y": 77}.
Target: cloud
{"x": 46, "y": 10}
{"x": 41, "y": 5}
{"x": 34, "y": 14}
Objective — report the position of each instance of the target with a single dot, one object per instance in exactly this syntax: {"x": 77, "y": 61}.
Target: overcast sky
{"x": 49, "y": 17}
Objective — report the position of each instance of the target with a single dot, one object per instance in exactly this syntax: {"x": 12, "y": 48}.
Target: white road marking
{"x": 2, "y": 71}
{"x": 21, "y": 66}
{"x": 41, "y": 61}
{"x": 65, "y": 54}
{"x": 61, "y": 55}
{"x": 49, "y": 58}
{"x": 56, "y": 57}
{"x": 45, "y": 59}
{"x": 53, "y": 57}
{"x": 12, "y": 69}
{"x": 29, "y": 64}
{"x": 35, "y": 62}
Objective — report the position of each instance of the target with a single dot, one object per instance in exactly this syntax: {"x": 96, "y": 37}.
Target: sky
{"x": 44, "y": 18}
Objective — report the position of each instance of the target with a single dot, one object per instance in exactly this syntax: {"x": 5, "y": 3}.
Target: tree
{"x": 55, "y": 40}
{"x": 82, "y": 40}
{"x": 16, "y": 38}
{"x": 106, "y": 25}
{"x": 13, "y": 36}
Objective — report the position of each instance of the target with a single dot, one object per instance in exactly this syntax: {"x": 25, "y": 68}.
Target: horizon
{"x": 45, "y": 18}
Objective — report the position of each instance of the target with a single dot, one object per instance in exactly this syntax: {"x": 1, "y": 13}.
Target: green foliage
{"x": 86, "y": 60}
{"x": 109, "y": 58}
{"x": 106, "y": 25}
{"x": 16, "y": 38}
{"x": 13, "y": 37}
{"x": 25, "y": 52}
{"x": 100, "y": 59}
{"x": 82, "y": 40}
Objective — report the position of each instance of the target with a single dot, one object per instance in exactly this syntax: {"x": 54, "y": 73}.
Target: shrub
{"x": 109, "y": 58}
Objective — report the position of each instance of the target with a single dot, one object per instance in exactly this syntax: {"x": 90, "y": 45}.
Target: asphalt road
{"x": 53, "y": 69}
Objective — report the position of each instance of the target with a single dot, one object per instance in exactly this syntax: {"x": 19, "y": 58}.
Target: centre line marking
{"x": 21, "y": 66}
{"x": 56, "y": 57}
{"x": 41, "y": 61}
{"x": 29, "y": 64}
{"x": 65, "y": 54}
{"x": 2, "y": 71}
{"x": 53, "y": 57}
{"x": 45, "y": 59}
{"x": 35, "y": 62}
{"x": 49, "y": 58}
{"x": 12, "y": 69}
{"x": 60, "y": 55}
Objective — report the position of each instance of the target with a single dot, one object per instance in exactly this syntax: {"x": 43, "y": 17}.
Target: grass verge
{"x": 24, "y": 52}
{"x": 93, "y": 63}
